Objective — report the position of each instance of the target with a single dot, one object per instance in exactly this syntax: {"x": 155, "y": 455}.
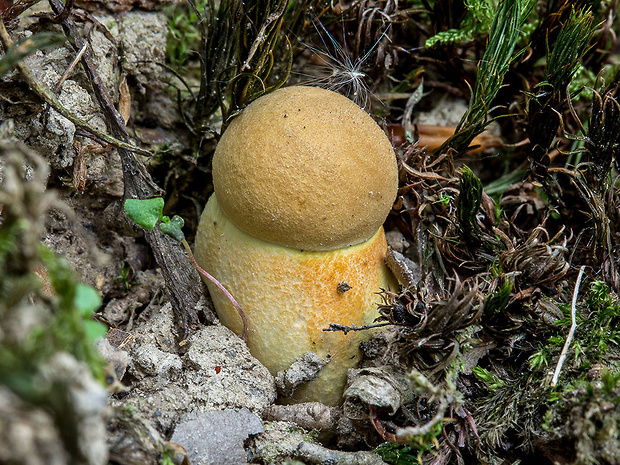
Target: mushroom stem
{"x": 290, "y": 295}
{"x": 222, "y": 288}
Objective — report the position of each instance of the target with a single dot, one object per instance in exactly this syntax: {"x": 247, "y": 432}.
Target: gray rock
{"x": 83, "y": 401}
{"x": 143, "y": 40}
{"x": 105, "y": 55}
{"x": 154, "y": 362}
{"x": 375, "y": 387}
{"x": 225, "y": 374}
{"x": 278, "y": 443}
{"x": 305, "y": 368}
{"x": 159, "y": 329}
{"x": 217, "y": 438}
{"x": 447, "y": 113}
{"x": 51, "y": 134}
{"x": 284, "y": 442}
{"x": 216, "y": 372}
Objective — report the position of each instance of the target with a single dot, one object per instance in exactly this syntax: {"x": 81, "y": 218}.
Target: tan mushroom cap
{"x": 306, "y": 168}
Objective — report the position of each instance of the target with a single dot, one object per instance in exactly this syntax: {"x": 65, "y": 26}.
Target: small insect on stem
{"x": 343, "y": 287}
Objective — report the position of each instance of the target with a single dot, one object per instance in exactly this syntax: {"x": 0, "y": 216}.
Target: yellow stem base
{"x": 289, "y": 296}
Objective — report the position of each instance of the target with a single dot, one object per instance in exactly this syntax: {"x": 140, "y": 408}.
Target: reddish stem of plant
{"x": 387, "y": 436}
{"x": 221, "y": 287}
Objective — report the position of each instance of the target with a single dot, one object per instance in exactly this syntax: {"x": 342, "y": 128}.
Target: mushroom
{"x": 303, "y": 181}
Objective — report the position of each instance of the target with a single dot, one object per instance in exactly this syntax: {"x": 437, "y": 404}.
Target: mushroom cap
{"x": 306, "y": 168}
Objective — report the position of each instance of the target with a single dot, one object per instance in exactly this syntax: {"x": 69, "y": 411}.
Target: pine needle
{"x": 503, "y": 37}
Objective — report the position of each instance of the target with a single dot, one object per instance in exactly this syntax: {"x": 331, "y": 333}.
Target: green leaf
{"x": 468, "y": 203}
{"x": 174, "y": 228}
{"x": 491, "y": 380}
{"x": 610, "y": 381}
{"x": 27, "y": 46}
{"x": 94, "y": 330}
{"x": 86, "y": 300}
{"x": 398, "y": 454}
{"x": 145, "y": 212}
{"x": 497, "y": 301}
{"x": 504, "y": 33}
{"x": 571, "y": 45}
{"x": 477, "y": 22}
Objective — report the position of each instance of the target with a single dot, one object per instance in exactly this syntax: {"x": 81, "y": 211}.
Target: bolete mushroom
{"x": 303, "y": 181}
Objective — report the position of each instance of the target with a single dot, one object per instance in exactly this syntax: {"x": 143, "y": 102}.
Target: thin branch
{"x": 345, "y": 329}
{"x": 262, "y": 35}
{"x": 406, "y": 434}
{"x": 64, "y": 13}
{"x": 51, "y": 100}
{"x": 70, "y": 69}
{"x": 573, "y": 326}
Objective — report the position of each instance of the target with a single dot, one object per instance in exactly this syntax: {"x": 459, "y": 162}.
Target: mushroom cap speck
{"x": 307, "y": 168}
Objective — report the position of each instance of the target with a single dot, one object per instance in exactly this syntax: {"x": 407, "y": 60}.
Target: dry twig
{"x": 571, "y": 332}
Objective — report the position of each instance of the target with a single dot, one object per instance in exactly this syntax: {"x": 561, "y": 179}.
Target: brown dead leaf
{"x": 431, "y": 136}
{"x": 124, "y": 100}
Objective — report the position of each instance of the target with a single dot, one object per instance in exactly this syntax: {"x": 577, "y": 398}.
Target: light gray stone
{"x": 217, "y": 438}
{"x": 217, "y": 372}
{"x": 225, "y": 374}
{"x": 27, "y": 433}
{"x": 143, "y": 40}
{"x": 83, "y": 402}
